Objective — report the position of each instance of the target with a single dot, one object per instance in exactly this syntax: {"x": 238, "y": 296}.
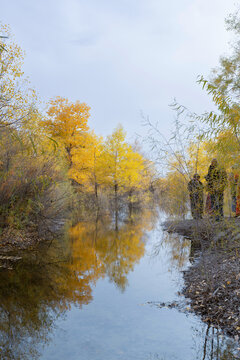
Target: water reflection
{"x": 178, "y": 249}
{"x": 102, "y": 249}
{"x": 43, "y": 287}
{"x": 30, "y": 300}
{"x": 213, "y": 345}
{"x": 181, "y": 251}
{"x": 210, "y": 342}
{"x": 209, "y": 345}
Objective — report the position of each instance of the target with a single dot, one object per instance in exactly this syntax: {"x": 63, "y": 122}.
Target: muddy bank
{"x": 212, "y": 283}
{"x": 206, "y": 230}
{"x": 15, "y": 242}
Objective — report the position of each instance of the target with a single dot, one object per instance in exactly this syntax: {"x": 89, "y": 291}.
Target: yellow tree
{"x": 15, "y": 90}
{"x": 121, "y": 167}
{"x": 67, "y": 123}
{"x": 85, "y": 169}
{"x": 113, "y": 161}
{"x": 133, "y": 174}
{"x": 133, "y": 165}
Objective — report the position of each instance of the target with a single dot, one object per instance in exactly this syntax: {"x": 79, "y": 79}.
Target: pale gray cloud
{"x": 86, "y": 39}
{"x": 121, "y": 57}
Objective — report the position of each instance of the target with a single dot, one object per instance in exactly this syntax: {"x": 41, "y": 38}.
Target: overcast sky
{"x": 121, "y": 57}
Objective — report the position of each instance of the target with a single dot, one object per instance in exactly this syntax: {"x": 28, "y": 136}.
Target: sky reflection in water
{"x": 88, "y": 298}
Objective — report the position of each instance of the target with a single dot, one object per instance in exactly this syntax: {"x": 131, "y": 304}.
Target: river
{"x": 95, "y": 295}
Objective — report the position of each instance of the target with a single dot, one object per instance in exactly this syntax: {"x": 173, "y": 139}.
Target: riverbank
{"x": 212, "y": 283}
{"x": 14, "y": 243}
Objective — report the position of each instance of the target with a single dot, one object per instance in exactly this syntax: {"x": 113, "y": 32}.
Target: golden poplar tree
{"x": 85, "y": 169}
{"x": 113, "y": 161}
{"x": 122, "y": 168}
{"x": 67, "y": 123}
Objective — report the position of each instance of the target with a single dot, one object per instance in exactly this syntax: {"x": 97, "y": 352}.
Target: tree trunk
{"x": 96, "y": 191}
{"x": 116, "y": 204}
{"x": 130, "y": 205}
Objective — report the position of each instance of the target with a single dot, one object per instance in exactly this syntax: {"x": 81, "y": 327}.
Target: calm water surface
{"x": 95, "y": 296}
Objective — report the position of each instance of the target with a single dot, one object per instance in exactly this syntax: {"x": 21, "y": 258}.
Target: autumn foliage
{"x": 52, "y": 162}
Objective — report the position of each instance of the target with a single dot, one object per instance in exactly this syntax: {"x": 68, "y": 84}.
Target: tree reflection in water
{"x": 213, "y": 345}
{"x": 42, "y": 288}
{"x": 178, "y": 249}
{"x": 109, "y": 251}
